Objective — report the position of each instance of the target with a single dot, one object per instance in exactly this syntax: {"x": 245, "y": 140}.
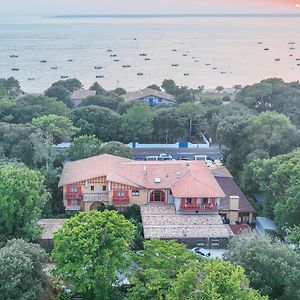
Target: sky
{"x": 58, "y": 7}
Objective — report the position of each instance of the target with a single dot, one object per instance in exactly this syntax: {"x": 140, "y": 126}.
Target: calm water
{"x": 210, "y": 51}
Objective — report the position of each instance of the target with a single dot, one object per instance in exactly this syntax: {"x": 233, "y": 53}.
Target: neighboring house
{"x": 265, "y": 226}
{"x": 80, "y": 95}
{"x": 151, "y": 97}
{"x": 235, "y": 207}
{"x": 179, "y": 199}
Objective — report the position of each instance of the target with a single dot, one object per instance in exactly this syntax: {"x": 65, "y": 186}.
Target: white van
{"x": 200, "y": 157}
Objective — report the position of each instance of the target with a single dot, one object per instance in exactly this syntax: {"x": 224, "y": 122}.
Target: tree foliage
{"x": 271, "y": 266}
{"x": 21, "y": 271}
{"x": 23, "y": 196}
{"x": 89, "y": 250}
{"x": 115, "y": 148}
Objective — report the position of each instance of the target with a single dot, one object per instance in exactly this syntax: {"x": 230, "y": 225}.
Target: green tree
{"x": 28, "y": 107}
{"x": 99, "y": 121}
{"x": 60, "y": 93}
{"x": 14, "y": 142}
{"x": 84, "y": 146}
{"x": 137, "y": 123}
{"x": 191, "y": 118}
{"x": 212, "y": 279}
{"x": 12, "y": 87}
{"x": 23, "y": 196}
{"x": 154, "y": 87}
{"x": 21, "y": 271}
{"x": 120, "y": 91}
{"x": 169, "y": 86}
{"x": 98, "y": 88}
{"x": 2, "y": 91}
{"x": 158, "y": 266}
{"x": 109, "y": 100}
{"x": 71, "y": 84}
{"x": 271, "y": 266}
{"x": 294, "y": 237}
{"x": 219, "y": 89}
{"x": 89, "y": 250}
{"x": 58, "y": 128}
{"x": 116, "y": 148}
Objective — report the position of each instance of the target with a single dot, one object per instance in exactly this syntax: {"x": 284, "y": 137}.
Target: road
{"x": 213, "y": 152}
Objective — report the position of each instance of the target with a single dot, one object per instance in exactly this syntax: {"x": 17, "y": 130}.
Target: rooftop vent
{"x": 145, "y": 170}
{"x": 187, "y": 164}
{"x": 157, "y": 180}
{"x": 178, "y": 174}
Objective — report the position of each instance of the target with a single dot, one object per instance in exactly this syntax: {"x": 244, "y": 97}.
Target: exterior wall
{"x": 233, "y": 216}
{"x": 153, "y": 101}
{"x": 76, "y": 102}
{"x": 139, "y": 200}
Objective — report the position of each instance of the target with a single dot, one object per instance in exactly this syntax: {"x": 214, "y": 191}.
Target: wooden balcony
{"x": 73, "y": 196}
{"x": 198, "y": 208}
{"x": 121, "y": 201}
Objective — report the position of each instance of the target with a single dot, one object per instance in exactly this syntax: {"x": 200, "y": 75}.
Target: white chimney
{"x": 178, "y": 174}
{"x": 145, "y": 170}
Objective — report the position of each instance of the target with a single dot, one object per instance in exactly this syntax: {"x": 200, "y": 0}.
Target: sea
{"x": 135, "y": 51}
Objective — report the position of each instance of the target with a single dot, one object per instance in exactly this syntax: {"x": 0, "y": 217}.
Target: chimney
{"x": 145, "y": 170}
{"x": 177, "y": 174}
{"x": 234, "y": 202}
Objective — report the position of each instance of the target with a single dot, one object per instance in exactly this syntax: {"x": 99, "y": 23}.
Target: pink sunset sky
{"x": 47, "y": 7}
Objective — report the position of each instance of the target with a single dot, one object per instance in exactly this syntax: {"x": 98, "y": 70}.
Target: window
{"x": 206, "y": 200}
{"x": 120, "y": 194}
{"x": 92, "y": 188}
{"x": 158, "y": 196}
{"x": 74, "y": 189}
{"x": 74, "y": 202}
{"x": 135, "y": 193}
{"x": 104, "y": 188}
{"x": 189, "y": 200}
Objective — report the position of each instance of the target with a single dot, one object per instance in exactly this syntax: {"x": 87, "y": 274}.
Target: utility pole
{"x": 166, "y": 140}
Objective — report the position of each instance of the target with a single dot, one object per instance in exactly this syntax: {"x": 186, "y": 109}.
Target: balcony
{"x": 121, "y": 201}
{"x": 73, "y": 196}
{"x": 198, "y": 208}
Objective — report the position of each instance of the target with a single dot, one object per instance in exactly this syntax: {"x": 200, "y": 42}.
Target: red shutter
{"x": 79, "y": 188}
{"x": 68, "y": 189}
{"x": 182, "y": 204}
{"x": 115, "y": 194}
{"x": 195, "y": 201}
{"x": 213, "y": 201}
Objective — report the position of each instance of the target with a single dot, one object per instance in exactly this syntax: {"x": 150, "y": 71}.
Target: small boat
{"x": 292, "y": 43}
{"x": 298, "y": 59}
{"x": 207, "y": 64}
{"x": 70, "y": 60}
{"x": 15, "y": 69}
{"x": 126, "y": 66}
{"x": 43, "y": 61}
{"x": 175, "y": 65}
{"x": 140, "y": 74}
{"x": 194, "y": 57}
{"x": 292, "y": 48}
{"x": 215, "y": 68}
{"x": 186, "y": 74}
{"x": 116, "y": 60}
{"x": 259, "y": 43}
{"x": 147, "y": 58}
{"x": 99, "y": 76}
{"x": 31, "y": 79}
{"x": 97, "y": 67}
{"x": 135, "y": 39}
{"x": 14, "y": 56}
{"x": 174, "y": 50}
{"x": 143, "y": 54}
{"x": 223, "y": 72}
{"x": 277, "y": 59}
{"x": 109, "y": 50}
{"x": 64, "y": 77}
{"x": 266, "y": 49}
{"x": 184, "y": 54}
{"x": 113, "y": 55}
{"x": 196, "y": 60}
{"x": 54, "y": 68}
{"x": 298, "y": 65}
{"x": 291, "y": 55}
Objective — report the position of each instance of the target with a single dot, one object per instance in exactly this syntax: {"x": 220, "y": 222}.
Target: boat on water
{"x": 140, "y": 74}
{"x": 143, "y": 54}
{"x": 15, "y": 69}
{"x": 97, "y": 67}
{"x": 259, "y": 43}
{"x": 207, "y": 64}
{"x": 292, "y": 48}
{"x": 99, "y": 76}
{"x": 147, "y": 58}
{"x": 54, "y": 68}
{"x": 266, "y": 49}
{"x": 196, "y": 60}
{"x": 175, "y": 65}
{"x": 126, "y": 66}
{"x": 70, "y": 60}
{"x": 186, "y": 74}
{"x": 113, "y": 55}
{"x": 64, "y": 77}
{"x": 298, "y": 59}
{"x": 184, "y": 54}
{"x": 116, "y": 60}
{"x": 43, "y": 61}
{"x": 292, "y": 43}
{"x": 215, "y": 68}
{"x": 109, "y": 50}
{"x": 223, "y": 72}
{"x": 14, "y": 56}
{"x": 31, "y": 79}
{"x": 174, "y": 50}
{"x": 277, "y": 59}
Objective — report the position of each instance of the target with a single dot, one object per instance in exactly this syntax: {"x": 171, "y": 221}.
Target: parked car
{"x": 152, "y": 158}
{"x": 200, "y": 157}
{"x": 201, "y": 251}
{"x": 164, "y": 156}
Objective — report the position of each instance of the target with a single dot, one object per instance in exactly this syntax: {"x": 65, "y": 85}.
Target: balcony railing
{"x": 122, "y": 201}
{"x": 73, "y": 196}
{"x": 197, "y": 207}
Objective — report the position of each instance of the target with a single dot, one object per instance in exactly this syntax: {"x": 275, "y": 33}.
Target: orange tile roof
{"x": 186, "y": 179}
